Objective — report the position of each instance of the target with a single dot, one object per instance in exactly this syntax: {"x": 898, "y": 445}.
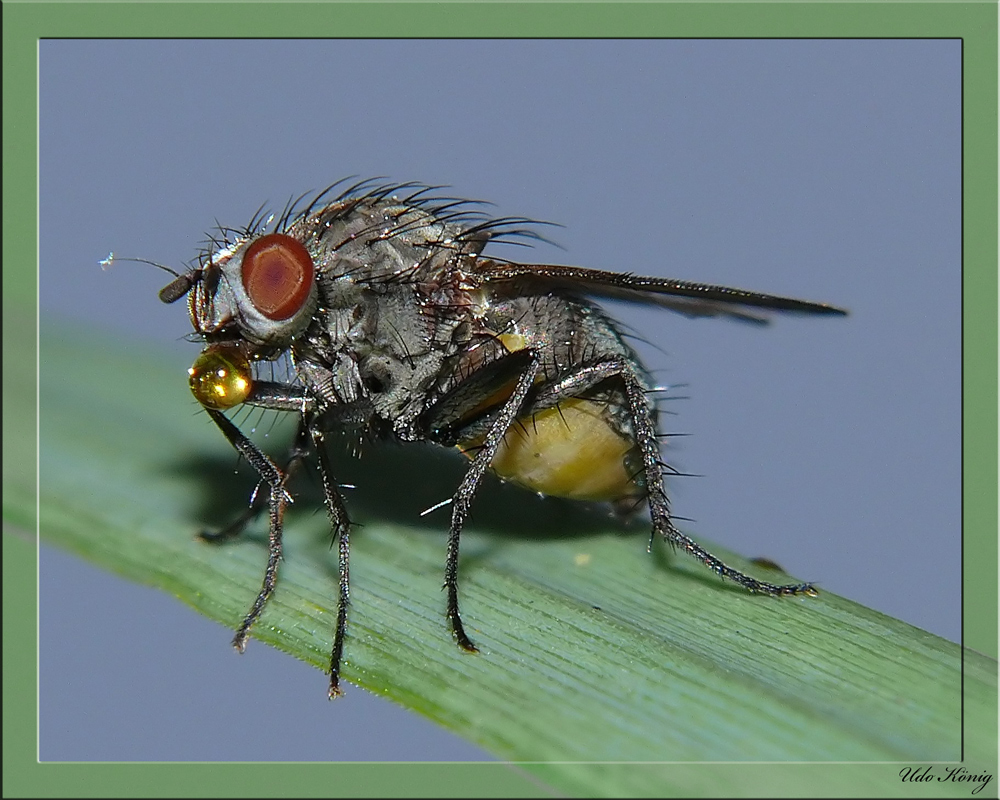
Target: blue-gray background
{"x": 827, "y": 170}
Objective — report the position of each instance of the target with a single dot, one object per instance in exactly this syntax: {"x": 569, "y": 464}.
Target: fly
{"x": 396, "y": 324}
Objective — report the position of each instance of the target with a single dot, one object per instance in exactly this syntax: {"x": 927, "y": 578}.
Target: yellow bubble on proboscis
{"x": 220, "y": 377}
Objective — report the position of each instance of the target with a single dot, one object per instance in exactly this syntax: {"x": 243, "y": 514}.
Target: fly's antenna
{"x": 176, "y": 289}
{"x": 112, "y": 259}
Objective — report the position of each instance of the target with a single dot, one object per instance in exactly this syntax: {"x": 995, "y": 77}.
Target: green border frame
{"x": 25, "y": 23}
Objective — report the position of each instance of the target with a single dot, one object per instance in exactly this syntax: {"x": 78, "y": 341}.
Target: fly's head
{"x": 261, "y": 290}
{"x": 248, "y": 300}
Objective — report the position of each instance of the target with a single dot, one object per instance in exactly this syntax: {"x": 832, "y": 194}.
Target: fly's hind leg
{"x": 644, "y": 431}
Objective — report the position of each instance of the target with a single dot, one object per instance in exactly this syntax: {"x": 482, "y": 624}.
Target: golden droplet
{"x": 220, "y": 377}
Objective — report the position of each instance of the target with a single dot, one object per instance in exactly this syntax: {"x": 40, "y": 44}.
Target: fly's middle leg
{"x": 467, "y": 489}
{"x": 342, "y": 534}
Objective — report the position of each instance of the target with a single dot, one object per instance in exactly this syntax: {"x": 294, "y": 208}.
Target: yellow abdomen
{"x": 570, "y": 451}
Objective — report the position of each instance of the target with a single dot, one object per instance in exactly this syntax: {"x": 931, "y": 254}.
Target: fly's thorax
{"x": 263, "y": 289}
{"x": 382, "y": 237}
{"x": 399, "y": 343}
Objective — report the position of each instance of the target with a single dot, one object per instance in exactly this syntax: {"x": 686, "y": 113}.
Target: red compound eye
{"x": 277, "y": 275}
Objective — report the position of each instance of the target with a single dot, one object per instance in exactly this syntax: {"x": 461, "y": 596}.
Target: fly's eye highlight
{"x": 220, "y": 377}
{"x": 277, "y": 275}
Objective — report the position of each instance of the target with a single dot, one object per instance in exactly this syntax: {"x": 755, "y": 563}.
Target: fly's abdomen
{"x": 571, "y": 450}
{"x": 579, "y": 447}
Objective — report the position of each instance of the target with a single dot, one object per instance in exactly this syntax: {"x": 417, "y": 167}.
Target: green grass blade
{"x": 592, "y": 650}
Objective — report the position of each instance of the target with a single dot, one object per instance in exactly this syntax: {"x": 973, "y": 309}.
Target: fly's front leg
{"x": 295, "y": 457}
{"x": 278, "y": 499}
{"x": 276, "y": 397}
{"x": 467, "y": 489}
{"x": 342, "y": 533}
{"x": 644, "y": 431}
{"x": 308, "y": 434}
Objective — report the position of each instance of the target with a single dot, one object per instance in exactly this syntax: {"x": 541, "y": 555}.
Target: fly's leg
{"x": 342, "y": 533}
{"x": 278, "y": 499}
{"x": 308, "y": 434}
{"x": 237, "y": 526}
{"x": 644, "y": 431}
{"x": 467, "y": 489}
{"x": 659, "y": 506}
{"x": 295, "y": 457}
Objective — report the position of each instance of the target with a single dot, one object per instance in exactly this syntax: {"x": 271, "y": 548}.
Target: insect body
{"x": 396, "y": 324}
